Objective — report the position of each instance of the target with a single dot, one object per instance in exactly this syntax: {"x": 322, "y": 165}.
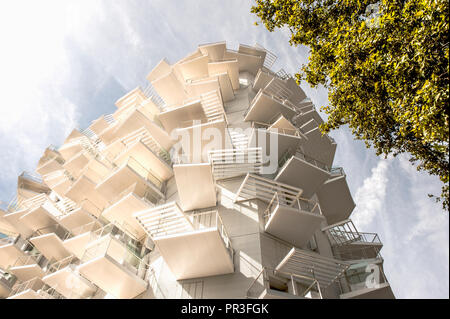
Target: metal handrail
{"x": 35, "y": 283}
{"x": 266, "y": 284}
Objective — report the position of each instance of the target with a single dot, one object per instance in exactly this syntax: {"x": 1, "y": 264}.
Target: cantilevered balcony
{"x": 130, "y": 201}
{"x": 65, "y": 278}
{"x": 30, "y": 289}
{"x": 77, "y": 240}
{"x": 276, "y": 146}
{"x": 132, "y": 172}
{"x": 85, "y": 188}
{"x": 192, "y": 244}
{"x": 318, "y": 146}
{"x": 366, "y": 280}
{"x": 112, "y": 264}
{"x": 50, "y": 161}
{"x": 165, "y": 81}
{"x": 13, "y": 248}
{"x": 49, "y": 241}
{"x": 59, "y": 181}
{"x": 234, "y": 162}
{"x": 255, "y": 187}
{"x": 246, "y": 62}
{"x": 7, "y": 281}
{"x": 335, "y": 198}
{"x": 30, "y": 185}
{"x": 265, "y": 107}
{"x": 204, "y": 194}
{"x": 305, "y": 263}
{"x": 145, "y": 149}
{"x": 296, "y": 223}
{"x": 271, "y": 284}
{"x": 350, "y": 244}
{"x": 29, "y": 266}
{"x": 76, "y": 163}
{"x": 304, "y": 172}
{"x": 229, "y": 66}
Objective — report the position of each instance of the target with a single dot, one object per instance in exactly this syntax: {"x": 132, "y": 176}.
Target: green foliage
{"x": 387, "y": 72}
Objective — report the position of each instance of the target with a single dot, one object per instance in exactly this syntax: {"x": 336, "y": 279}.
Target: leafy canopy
{"x": 385, "y": 65}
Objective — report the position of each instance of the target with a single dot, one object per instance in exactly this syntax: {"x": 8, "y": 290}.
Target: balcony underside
{"x": 27, "y": 294}
{"x": 275, "y": 294}
{"x": 203, "y": 194}
{"x": 201, "y": 138}
{"x": 62, "y": 186}
{"x": 215, "y": 51}
{"x": 121, "y": 213}
{"x": 174, "y": 117}
{"x": 27, "y": 272}
{"x": 84, "y": 188}
{"x": 51, "y": 246}
{"x": 77, "y": 245}
{"x": 113, "y": 277}
{"x": 246, "y": 62}
{"x": 194, "y": 68}
{"x": 147, "y": 159}
{"x": 335, "y": 199}
{"x": 303, "y": 263}
{"x": 49, "y": 167}
{"x": 169, "y": 89}
{"x": 77, "y": 163}
{"x": 69, "y": 283}
{"x": 120, "y": 180}
{"x": 195, "y": 254}
{"x": 301, "y": 174}
{"x": 39, "y": 218}
{"x": 319, "y": 147}
{"x": 14, "y": 220}
{"x": 231, "y": 67}
{"x": 9, "y": 254}
{"x": 294, "y": 226}
{"x": 280, "y": 142}
{"x": 70, "y": 149}
{"x": 384, "y": 291}
{"x": 264, "y": 108}
{"x": 76, "y": 218}
{"x": 308, "y": 116}
{"x": 261, "y": 80}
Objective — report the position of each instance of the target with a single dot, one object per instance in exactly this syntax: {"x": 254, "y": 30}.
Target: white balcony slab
{"x": 203, "y": 194}
{"x": 265, "y": 108}
{"x": 231, "y": 67}
{"x": 76, "y": 218}
{"x": 51, "y": 246}
{"x": 148, "y": 159}
{"x": 335, "y": 200}
{"x": 201, "y": 138}
{"x": 49, "y": 166}
{"x": 274, "y": 144}
{"x": 9, "y": 254}
{"x": 195, "y": 254}
{"x": 322, "y": 148}
{"x": 76, "y": 163}
{"x": 84, "y": 188}
{"x": 27, "y": 272}
{"x": 246, "y": 62}
{"x": 121, "y": 213}
{"x": 27, "y": 294}
{"x": 214, "y": 51}
{"x": 293, "y": 225}
{"x": 14, "y": 219}
{"x": 77, "y": 245}
{"x": 69, "y": 283}
{"x": 383, "y": 291}
{"x": 299, "y": 173}
{"x": 170, "y": 89}
{"x": 40, "y": 217}
{"x": 194, "y": 68}
{"x": 175, "y": 117}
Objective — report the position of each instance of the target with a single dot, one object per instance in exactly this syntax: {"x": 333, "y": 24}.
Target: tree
{"x": 385, "y": 65}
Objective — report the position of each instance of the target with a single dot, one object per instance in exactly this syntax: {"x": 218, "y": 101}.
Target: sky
{"x": 64, "y": 63}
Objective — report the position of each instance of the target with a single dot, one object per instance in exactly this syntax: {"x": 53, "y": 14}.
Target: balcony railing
{"x": 210, "y": 219}
{"x": 34, "y": 284}
{"x": 301, "y": 204}
{"x": 312, "y": 161}
{"x": 34, "y": 257}
{"x": 257, "y": 288}
{"x": 60, "y": 264}
{"x": 128, "y": 258}
{"x": 144, "y": 173}
{"x": 56, "y": 229}
{"x": 48, "y": 292}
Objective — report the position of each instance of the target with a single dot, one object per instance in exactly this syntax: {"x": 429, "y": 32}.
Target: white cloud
{"x": 369, "y": 198}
